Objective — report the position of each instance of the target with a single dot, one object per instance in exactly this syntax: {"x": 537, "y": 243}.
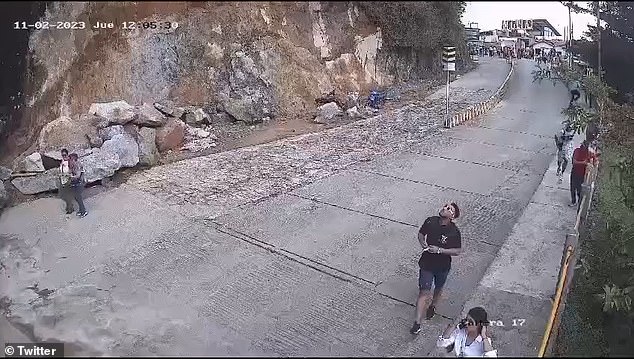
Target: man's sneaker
{"x": 415, "y": 328}
{"x": 431, "y": 311}
{"x": 69, "y": 212}
{"x": 572, "y": 204}
{"x": 82, "y": 214}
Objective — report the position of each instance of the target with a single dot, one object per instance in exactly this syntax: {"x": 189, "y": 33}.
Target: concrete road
{"x": 328, "y": 267}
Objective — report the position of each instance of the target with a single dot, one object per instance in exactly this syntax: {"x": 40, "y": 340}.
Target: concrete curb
{"x": 482, "y": 107}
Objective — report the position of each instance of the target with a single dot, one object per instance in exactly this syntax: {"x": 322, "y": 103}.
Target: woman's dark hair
{"x": 64, "y": 151}
{"x": 479, "y": 315}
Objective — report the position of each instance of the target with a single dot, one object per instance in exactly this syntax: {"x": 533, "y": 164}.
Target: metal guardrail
{"x": 568, "y": 262}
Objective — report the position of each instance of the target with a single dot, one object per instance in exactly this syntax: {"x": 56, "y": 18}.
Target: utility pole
{"x": 570, "y": 34}
{"x": 598, "y": 40}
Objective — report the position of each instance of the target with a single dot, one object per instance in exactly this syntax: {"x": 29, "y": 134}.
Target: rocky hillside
{"x": 230, "y": 61}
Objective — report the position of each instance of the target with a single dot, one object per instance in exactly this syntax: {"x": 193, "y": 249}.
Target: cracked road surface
{"x": 324, "y": 266}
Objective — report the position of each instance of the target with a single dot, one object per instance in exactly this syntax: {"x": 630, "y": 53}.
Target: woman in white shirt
{"x": 65, "y": 189}
{"x": 469, "y": 338}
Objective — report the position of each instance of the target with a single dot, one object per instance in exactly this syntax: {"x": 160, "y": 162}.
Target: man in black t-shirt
{"x": 440, "y": 239}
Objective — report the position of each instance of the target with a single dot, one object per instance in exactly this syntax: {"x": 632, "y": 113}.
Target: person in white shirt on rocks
{"x": 469, "y": 338}
{"x": 65, "y": 190}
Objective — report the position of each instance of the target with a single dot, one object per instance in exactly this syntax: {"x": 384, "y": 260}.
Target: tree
{"x": 617, "y": 58}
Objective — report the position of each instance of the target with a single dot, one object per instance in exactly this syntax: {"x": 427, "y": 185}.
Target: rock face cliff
{"x": 250, "y": 60}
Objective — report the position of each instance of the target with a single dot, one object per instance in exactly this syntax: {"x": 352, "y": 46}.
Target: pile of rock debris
{"x": 117, "y": 135}
{"x": 110, "y": 137}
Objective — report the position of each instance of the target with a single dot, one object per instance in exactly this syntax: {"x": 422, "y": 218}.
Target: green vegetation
{"x": 598, "y": 318}
{"x": 420, "y": 26}
{"x": 599, "y": 314}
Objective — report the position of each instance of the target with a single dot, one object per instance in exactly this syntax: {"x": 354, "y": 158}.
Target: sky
{"x": 489, "y": 15}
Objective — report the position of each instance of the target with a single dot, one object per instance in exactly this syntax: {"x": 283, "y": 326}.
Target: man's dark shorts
{"x": 425, "y": 279}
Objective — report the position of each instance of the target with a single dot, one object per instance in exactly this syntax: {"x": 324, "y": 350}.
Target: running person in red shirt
{"x": 580, "y": 159}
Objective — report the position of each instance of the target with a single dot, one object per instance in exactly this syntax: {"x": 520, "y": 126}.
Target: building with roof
{"x": 523, "y": 34}
{"x": 542, "y": 27}
{"x": 541, "y": 45}
{"x": 529, "y": 30}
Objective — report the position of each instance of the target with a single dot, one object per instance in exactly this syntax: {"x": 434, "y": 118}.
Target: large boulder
{"x": 57, "y": 155}
{"x": 31, "y": 163}
{"x": 5, "y": 173}
{"x": 4, "y": 196}
{"x": 91, "y": 121}
{"x": 125, "y": 146}
{"x": 42, "y": 182}
{"x": 94, "y": 140}
{"x": 196, "y": 117}
{"x": 251, "y": 80}
{"x": 148, "y": 153}
{"x": 168, "y": 109}
{"x": 238, "y": 110}
{"x": 327, "y": 113}
{"x": 100, "y": 164}
{"x": 109, "y": 132}
{"x": 68, "y": 133}
{"x": 171, "y": 135}
{"x": 354, "y": 113}
{"x": 132, "y": 130}
{"x": 148, "y": 116}
{"x": 221, "y": 117}
{"x": 117, "y": 112}
{"x": 247, "y": 110}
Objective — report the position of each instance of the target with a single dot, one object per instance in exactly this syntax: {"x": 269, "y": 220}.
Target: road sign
{"x": 449, "y": 66}
{"x": 449, "y": 54}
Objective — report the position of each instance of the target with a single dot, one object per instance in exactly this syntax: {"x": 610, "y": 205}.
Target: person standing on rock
{"x": 440, "y": 238}
{"x": 77, "y": 182}
{"x": 65, "y": 190}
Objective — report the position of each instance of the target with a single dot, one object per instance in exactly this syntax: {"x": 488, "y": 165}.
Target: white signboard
{"x": 517, "y": 24}
{"x": 449, "y": 66}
